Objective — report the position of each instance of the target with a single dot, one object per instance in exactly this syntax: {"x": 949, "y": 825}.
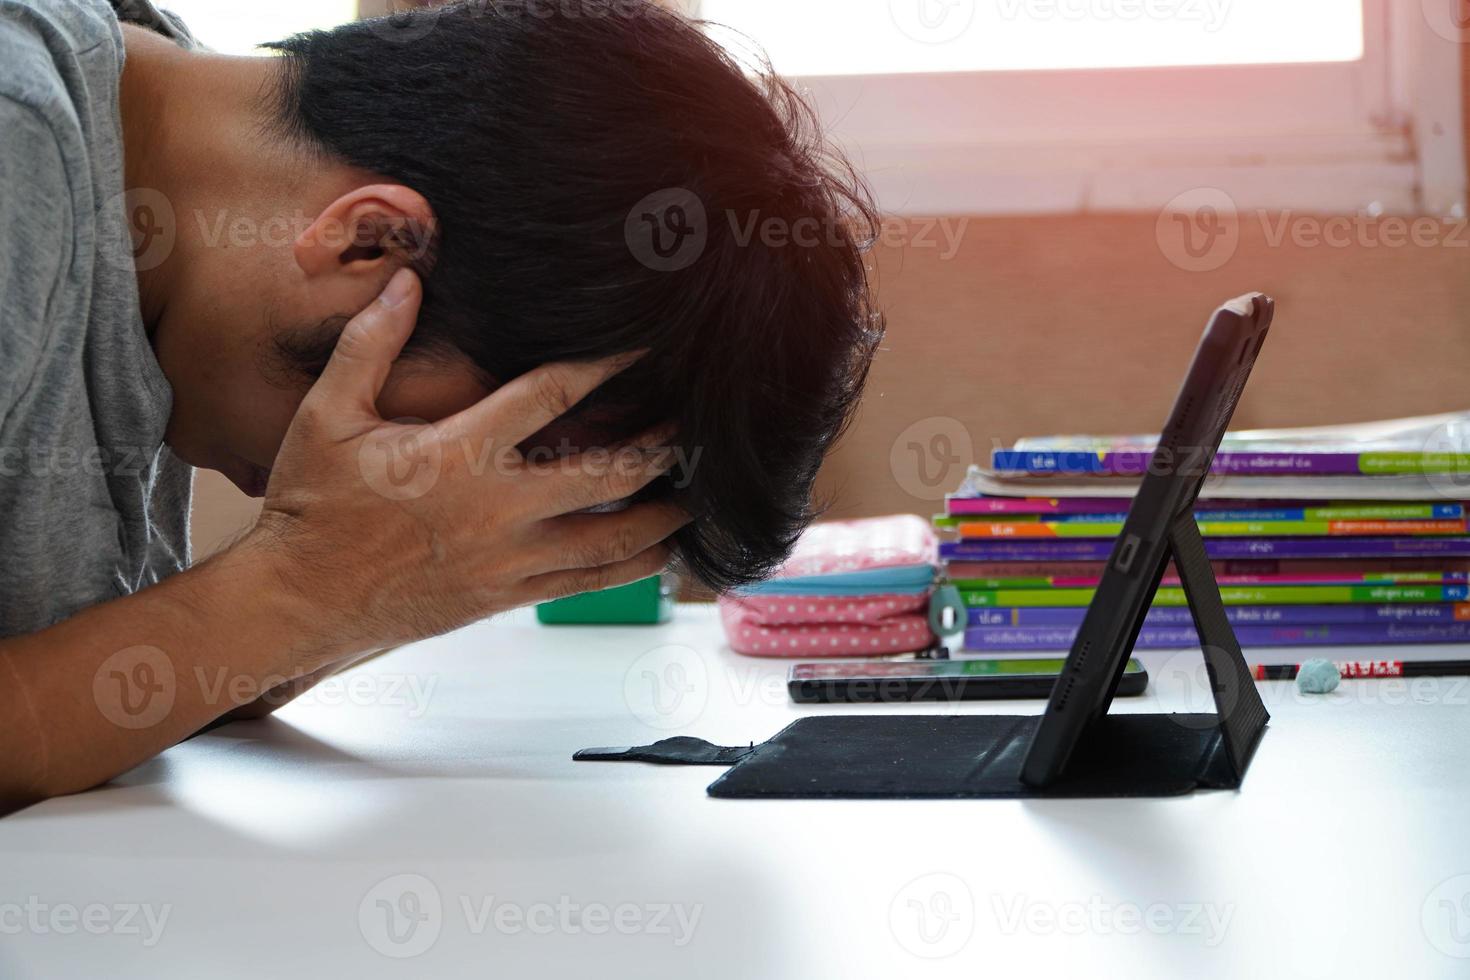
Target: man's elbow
{"x": 15, "y": 795}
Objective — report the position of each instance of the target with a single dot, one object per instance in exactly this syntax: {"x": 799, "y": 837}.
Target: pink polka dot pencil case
{"x": 850, "y": 588}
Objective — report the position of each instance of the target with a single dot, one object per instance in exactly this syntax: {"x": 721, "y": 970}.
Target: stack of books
{"x": 1319, "y": 537}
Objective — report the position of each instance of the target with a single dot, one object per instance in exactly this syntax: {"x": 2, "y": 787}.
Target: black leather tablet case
{"x": 952, "y": 757}
{"x": 977, "y": 756}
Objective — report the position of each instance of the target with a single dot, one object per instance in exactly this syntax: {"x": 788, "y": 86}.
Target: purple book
{"x": 973, "y": 506}
{"x": 1043, "y": 549}
{"x": 970, "y": 506}
{"x": 1341, "y": 614}
{"x": 990, "y": 638}
{"x": 1136, "y": 461}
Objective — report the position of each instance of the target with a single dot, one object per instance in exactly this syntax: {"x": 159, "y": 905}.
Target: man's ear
{"x": 367, "y": 231}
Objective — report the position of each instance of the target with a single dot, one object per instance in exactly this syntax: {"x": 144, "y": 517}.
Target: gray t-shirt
{"x": 92, "y": 505}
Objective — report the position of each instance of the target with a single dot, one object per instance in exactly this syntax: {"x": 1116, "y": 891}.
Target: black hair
{"x": 606, "y": 178}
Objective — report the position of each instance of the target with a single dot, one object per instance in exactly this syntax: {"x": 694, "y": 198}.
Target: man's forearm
{"x": 384, "y": 565}
{"x": 283, "y": 694}
{"x": 93, "y": 696}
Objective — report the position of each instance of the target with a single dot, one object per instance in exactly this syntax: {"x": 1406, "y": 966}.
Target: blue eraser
{"x": 1318, "y": 677}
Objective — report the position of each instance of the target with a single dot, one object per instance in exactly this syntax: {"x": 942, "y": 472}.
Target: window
{"x": 994, "y": 106}
{"x": 238, "y": 27}
{"x": 844, "y": 37}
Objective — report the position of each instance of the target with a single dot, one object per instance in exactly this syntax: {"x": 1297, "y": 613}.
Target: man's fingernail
{"x": 397, "y": 289}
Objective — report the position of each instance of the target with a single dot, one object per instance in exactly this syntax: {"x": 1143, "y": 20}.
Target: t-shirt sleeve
{"x": 35, "y": 245}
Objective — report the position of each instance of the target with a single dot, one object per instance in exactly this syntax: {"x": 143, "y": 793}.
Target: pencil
{"x": 1372, "y": 668}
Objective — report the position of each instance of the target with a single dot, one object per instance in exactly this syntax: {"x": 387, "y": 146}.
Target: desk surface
{"x": 421, "y": 816}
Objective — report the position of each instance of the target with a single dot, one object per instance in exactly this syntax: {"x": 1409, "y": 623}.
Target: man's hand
{"x": 405, "y": 531}
{"x": 374, "y": 533}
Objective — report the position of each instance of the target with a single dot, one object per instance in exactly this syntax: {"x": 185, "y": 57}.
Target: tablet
{"x": 1176, "y": 473}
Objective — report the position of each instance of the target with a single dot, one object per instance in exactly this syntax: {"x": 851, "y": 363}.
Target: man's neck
{"x": 194, "y": 131}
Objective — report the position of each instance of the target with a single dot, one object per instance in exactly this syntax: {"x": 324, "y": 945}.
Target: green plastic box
{"x": 646, "y": 602}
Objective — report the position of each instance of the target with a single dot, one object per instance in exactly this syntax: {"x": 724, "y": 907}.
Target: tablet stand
{"x": 1242, "y": 714}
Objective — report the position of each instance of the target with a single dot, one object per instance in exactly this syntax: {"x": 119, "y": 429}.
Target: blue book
{"x": 1053, "y": 616}
{"x": 1026, "y": 638}
{"x": 1420, "y": 512}
{"x": 1085, "y": 549}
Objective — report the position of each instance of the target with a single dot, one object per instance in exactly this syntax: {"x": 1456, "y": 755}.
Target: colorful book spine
{"x": 1368, "y": 569}
{"x": 1221, "y": 548}
{"x": 1020, "y": 638}
{"x": 1082, "y": 508}
{"x": 981, "y": 530}
{"x": 960, "y": 506}
{"x": 1439, "y": 612}
{"x": 1405, "y": 515}
{"x": 1137, "y": 462}
{"x": 1296, "y": 595}
{"x": 1092, "y": 581}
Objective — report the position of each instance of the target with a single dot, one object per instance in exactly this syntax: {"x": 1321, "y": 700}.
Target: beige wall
{"x": 1061, "y": 324}
{"x": 1040, "y": 325}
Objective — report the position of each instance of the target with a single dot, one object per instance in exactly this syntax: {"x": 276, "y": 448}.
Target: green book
{"x": 646, "y": 602}
{"x": 1279, "y": 595}
{"x": 1329, "y": 512}
{"x": 1081, "y": 581}
{"x": 1383, "y": 464}
{"x": 987, "y": 530}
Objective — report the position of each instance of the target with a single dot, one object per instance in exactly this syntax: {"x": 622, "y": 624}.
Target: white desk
{"x": 269, "y": 845}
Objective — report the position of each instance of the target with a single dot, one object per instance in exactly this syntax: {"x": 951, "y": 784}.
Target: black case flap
{"x": 953, "y": 757}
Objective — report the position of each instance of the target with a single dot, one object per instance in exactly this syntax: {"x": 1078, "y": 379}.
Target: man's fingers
{"x": 597, "y": 477}
{"x": 558, "y": 585}
{"x": 523, "y": 407}
{"x": 366, "y": 349}
{"x": 588, "y": 541}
